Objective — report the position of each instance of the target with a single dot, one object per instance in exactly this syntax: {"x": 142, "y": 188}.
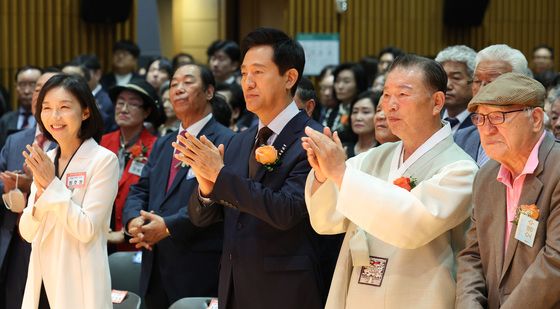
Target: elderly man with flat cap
{"x": 512, "y": 259}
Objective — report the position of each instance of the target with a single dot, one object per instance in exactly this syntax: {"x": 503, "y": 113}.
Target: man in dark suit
{"x": 104, "y": 103}
{"x": 179, "y": 259}
{"x": 511, "y": 256}
{"x": 458, "y": 63}
{"x": 14, "y": 251}
{"x": 270, "y": 255}
{"x": 125, "y": 62}
{"x": 22, "y": 118}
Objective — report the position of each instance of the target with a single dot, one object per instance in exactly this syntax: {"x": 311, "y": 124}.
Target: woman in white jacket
{"x": 69, "y": 207}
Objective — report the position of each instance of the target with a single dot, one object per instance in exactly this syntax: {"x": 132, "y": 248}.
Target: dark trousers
{"x": 14, "y": 272}
{"x": 155, "y": 295}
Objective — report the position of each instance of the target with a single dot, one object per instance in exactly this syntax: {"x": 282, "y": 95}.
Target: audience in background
{"x": 223, "y": 60}
{"x": 306, "y": 98}
{"x": 458, "y": 62}
{"x": 362, "y": 112}
{"x": 22, "y": 118}
{"x": 159, "y": 72}
{"x": 386, "y": 57}
{"x": 106, "y": 107}
{"x": 180, "y": 59}
{"x": 349, "y": 81}
{"x": 125, "y": 62}
{"x": 241, "y": 118}
{"x": 490, "y": 63}
{"x": 171, "y": 123}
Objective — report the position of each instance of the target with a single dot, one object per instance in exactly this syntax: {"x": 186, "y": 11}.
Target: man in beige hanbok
{"x": 400, "y": 244}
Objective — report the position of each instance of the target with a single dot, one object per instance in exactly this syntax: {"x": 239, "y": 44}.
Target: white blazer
{"x": 68, "y": 233}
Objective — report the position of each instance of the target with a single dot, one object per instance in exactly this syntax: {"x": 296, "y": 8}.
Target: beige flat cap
{"x": 510, "y": 89}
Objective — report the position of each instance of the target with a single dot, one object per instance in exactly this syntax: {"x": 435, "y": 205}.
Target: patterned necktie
{"x": 25, "y": 122}
{"x": 262, "y": 139}
{"x": 40, "y": 139}
{"x": 175, "y": 166}
{"x": 452, "y": 121}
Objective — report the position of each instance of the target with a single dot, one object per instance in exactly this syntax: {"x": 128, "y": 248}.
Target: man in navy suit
{"x": 14, "y": 251}
{"x": 179, "y": 259}
{"x": 458, "y": 63}
{"x": 270, "y": 256}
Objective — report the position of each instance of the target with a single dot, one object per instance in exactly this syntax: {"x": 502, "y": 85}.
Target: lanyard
{"x": 57, "y": 157}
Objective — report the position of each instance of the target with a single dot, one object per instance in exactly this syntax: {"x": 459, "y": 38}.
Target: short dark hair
{"x": 547, "y": 47}
{"x": 230, "y": 48}
{"x": 306, "y": 91}
{"x": 92, "y": 127}
{"x": 327, "y": 70}
{"x": 206, "y": 75}
{"x": 91, "y": 62}
{"x": 237, "y": 100}
{"x": 288, "y": 53}
{"x": 390, "y": 50}
{"x": 80, "y": 66}
{"x": 164, "y": 65}
{"x": 221, "y": 111}
{"x": 435, "y": 77}
{"x": 127, "y": 45}
{"x": 369, "y": 63}
{"x": 175, "y": 60}
{"x": 358, "y": 72}
{"x": 25, "y": 68}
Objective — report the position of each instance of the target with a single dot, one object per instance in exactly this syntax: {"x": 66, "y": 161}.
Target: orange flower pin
{"x": 532, "y": 211}
{"x": 268, "y": 156}
{"x": 406, "y": 183}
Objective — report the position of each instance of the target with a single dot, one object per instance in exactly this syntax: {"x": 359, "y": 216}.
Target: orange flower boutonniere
{"x": 344, "y": 120}
{"x": 138, "y": 152}
{"x": 268, "y": 156}
{"x": 406, "y": 183}
{"x": 532, "y": 211}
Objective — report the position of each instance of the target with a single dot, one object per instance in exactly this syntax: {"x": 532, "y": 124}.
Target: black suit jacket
{"x": 270, "y": 256}
{"x": 109, "y": 80}
{"x": 188, "y": 260}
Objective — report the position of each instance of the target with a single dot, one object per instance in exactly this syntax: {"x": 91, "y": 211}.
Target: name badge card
{"x": 136, "y": 168}
{"x": 118, "y": 296}
{"x": 526, "y": 230}
{"x": 76, "y": 180}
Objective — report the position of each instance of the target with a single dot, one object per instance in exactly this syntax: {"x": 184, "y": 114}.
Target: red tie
{"x": 175, "y": 166}
{"x": 40, "y": 139}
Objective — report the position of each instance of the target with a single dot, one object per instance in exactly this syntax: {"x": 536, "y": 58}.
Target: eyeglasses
{"x": 494, "y": 118}
{"x": 132, "y": 106}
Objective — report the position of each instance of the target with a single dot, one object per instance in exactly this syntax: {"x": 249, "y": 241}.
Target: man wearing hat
{"x": 136, "y": 103}
{"x": 511, "y": 259}
{"x": 179, "y": 259}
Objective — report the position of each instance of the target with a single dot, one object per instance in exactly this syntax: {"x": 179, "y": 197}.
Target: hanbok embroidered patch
{"x": 373, "y": 274}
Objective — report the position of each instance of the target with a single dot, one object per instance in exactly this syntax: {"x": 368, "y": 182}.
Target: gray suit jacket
{"x": 523, "y": 277}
